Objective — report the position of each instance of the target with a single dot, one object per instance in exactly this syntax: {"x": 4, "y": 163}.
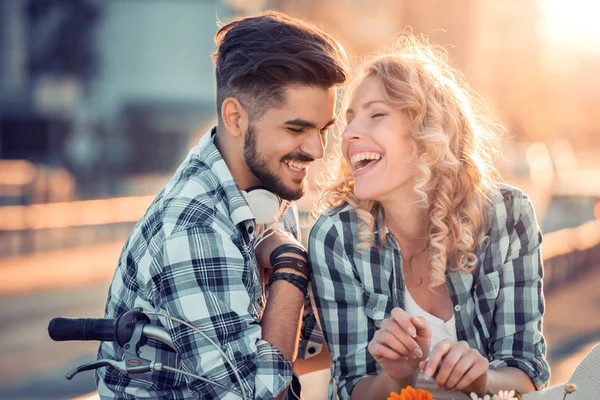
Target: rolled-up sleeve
{"x": 201, "y": 282}
{"x": 338, "y": 296}
{"x": 517, "y": 339}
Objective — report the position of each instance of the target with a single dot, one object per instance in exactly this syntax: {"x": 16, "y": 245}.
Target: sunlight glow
{"x": 75, "y": 213}
{"x": 572, "y": 23}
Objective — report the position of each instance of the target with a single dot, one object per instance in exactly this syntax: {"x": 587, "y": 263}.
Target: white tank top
{"x": 440, "y": 330}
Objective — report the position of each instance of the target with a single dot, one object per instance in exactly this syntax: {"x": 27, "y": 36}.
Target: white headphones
{"x": 264, "y": 204}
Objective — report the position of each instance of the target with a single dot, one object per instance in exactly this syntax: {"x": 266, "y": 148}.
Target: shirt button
{"x": 375, "y": 310}
{"x": 311, "y": 350}
{"x": 250, "y": 230}
{"x": 457, "y": 308}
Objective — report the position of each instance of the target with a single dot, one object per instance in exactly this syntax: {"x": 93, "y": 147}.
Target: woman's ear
{"x": 234, "y": 116}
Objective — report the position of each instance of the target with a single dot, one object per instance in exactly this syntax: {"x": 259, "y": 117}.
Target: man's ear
{"x": 234, "y": 116}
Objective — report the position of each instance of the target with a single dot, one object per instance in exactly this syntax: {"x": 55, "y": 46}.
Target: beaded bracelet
{"x": 300, "y": 282}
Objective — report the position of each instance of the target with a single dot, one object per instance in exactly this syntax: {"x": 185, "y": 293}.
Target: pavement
{"x": 74, "y": 282}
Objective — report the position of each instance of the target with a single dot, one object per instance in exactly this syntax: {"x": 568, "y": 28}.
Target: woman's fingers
{"x": 449, "y": 361}
{"x": 436, "y": 356}
{"x": 389, "y": 340}
{"x": 454, "y": 365}
{"x": 423, "y": 330}
{"x": 459, "y": 370}
{"x": 379, "y": 350}
{"x": 404, "y": 320}
{"x": 467, "y": 361}
{"x": 476, "y": 371}
{"x": 423, "y": 338}
{"x": 399, "y": 335}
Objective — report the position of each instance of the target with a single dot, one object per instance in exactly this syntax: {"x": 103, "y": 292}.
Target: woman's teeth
{"x": 362, "y": 160}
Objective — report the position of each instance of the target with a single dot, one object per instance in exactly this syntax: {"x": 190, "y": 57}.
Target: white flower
{"x": 475, "y": 397}
{"x": 505, "y": 395}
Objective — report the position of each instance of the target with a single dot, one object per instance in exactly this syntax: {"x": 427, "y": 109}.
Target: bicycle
{"x": 130, "y": 330}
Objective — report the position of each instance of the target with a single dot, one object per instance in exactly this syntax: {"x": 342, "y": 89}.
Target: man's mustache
{"x": 299, "y": 157}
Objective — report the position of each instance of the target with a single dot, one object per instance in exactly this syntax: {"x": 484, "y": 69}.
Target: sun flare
{"x": 572, "y": 23}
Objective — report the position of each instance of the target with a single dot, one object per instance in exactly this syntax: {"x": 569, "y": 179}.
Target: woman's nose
{"x": 352, "y": 133}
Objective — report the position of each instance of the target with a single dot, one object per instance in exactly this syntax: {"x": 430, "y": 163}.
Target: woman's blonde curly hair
{"x": 454, "y": 143}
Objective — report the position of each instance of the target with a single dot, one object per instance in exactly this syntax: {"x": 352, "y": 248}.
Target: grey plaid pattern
{"x": 498, "y": 307}
{"x": 190, "y": 256}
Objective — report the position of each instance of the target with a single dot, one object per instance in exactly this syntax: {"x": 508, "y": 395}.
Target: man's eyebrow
{"x": 300, "y": 122}
{"x": 327, "y": 125}
{"x": 307, "y": 124}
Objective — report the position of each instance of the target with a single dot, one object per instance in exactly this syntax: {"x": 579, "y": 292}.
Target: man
{"x": 193, "y": 254}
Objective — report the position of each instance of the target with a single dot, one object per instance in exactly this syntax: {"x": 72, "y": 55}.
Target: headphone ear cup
{"x": 264, "y": 204}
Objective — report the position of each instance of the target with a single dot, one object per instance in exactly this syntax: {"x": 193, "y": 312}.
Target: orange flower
{"x": 409, "y": 393}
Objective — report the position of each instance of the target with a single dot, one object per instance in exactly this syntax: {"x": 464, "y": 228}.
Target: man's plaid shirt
{"x": 191, "y": 256}
{"x": 498, "y": 308}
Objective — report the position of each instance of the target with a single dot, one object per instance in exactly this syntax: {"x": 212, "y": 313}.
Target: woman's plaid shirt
{"x": 498, "y": 308}
{"x": 190, "y": 256}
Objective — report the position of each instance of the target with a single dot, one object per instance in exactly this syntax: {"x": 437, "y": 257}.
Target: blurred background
{"x": 100, "y": 100}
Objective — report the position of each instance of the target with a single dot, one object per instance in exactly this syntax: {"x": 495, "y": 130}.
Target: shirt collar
{"x": 379, "y": 228}
{"x": 208, "y": 152}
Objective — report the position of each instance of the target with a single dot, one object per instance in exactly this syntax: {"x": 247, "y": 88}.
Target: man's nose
{"x": 314, "y": 145}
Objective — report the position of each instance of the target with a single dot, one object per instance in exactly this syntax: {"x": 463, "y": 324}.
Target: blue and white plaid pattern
{"x": 190, "y": 256}
{"x": 498, "y": 308}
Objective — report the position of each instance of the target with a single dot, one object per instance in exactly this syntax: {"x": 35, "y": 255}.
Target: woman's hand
{"x": 456, "y": 366}
{"x": 401, "y": 343}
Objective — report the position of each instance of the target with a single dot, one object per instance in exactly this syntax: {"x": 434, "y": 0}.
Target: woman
{"x": 426, "y": 269}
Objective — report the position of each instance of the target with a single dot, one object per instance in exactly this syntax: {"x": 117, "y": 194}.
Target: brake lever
{"x": 132, "y": 362}
{"x": 94, "y": 365}
{"x": 132, "y": 366}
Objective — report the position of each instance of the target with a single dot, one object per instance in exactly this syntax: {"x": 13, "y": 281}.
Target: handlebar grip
{"x": 62, "y": 329}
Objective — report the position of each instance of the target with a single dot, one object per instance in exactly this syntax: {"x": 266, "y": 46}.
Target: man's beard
{"x": 258, "y": 166}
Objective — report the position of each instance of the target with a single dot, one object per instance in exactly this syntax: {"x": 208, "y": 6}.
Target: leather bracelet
{"x": 287, "y": 248}
{"x": 296, "y": 280}
{"x": 293, "y": 263}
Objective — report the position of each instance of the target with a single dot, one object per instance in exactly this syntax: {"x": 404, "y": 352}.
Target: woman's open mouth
{"x": 363, "y": 162}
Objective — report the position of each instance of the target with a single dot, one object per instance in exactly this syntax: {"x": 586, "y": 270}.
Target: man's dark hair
{"x": 257, "y": 57}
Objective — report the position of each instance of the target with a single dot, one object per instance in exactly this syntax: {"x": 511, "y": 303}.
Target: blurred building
{"x": 106, "y": 97}
{"x": 105, "y": 89}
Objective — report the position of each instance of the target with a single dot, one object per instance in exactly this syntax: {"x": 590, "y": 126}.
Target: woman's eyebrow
{"x": 369, "y": 103}
{"x": 366, "y": 105}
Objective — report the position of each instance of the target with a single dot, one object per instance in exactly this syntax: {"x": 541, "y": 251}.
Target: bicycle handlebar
{"x": 102, "y": 329}
{"x": 117, "y": 330}
{"x": 131, "y": 331}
